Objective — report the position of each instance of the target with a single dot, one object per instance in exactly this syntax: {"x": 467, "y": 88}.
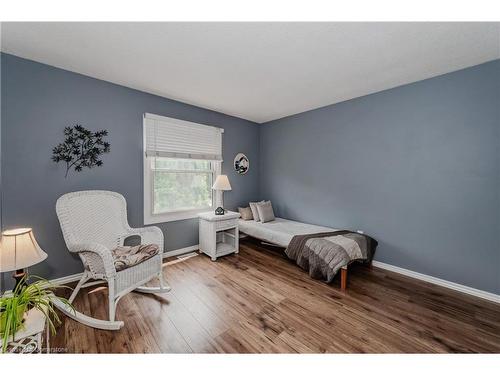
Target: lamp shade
{"x": 19, "y": 249}
{"x": 221, "y": 183}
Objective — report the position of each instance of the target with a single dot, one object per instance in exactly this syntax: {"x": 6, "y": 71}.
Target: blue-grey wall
{"x": 38, "y": 101}
{"x": 416, "y": 166}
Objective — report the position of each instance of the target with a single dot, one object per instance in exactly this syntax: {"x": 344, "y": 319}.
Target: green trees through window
{"x": 182, "y": 184}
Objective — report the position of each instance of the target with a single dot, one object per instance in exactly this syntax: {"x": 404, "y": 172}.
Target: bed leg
{"x": 343, "y": 279}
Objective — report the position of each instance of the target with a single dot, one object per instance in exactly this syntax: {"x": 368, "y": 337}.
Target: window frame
{"x": 148, "y": 175}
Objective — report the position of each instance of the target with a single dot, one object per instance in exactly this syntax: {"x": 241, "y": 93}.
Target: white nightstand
{"x": 219, "y": 234}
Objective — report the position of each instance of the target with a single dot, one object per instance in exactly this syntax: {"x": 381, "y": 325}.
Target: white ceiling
{"x": 257, "y": 71}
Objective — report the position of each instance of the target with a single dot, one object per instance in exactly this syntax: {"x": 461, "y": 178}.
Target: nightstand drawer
{"x": 225, "y": 224}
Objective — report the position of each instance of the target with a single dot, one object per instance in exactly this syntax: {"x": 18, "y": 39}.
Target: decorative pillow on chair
{"x": 246, "y": 213}
{"x": 266, "y": 212}
{"x": 253, "y": 207}
{"x": 128, "y": 256}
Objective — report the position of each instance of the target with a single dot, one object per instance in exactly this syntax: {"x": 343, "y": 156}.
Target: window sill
{"x": 174, "y": 216}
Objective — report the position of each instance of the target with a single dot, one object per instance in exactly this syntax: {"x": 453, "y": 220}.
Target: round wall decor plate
{"x": 241, "y": 163}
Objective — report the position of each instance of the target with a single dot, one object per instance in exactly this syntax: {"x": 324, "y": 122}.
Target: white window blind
{"x": 172, "y": 138}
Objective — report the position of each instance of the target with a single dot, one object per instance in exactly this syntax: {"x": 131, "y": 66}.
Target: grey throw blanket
{"x": 323, "y": 254}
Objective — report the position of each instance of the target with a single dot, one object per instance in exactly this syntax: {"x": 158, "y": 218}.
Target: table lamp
{"x": 222, "y": 184}
{"x": 18, "y": 250}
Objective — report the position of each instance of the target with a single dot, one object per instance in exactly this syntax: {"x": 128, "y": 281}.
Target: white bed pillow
{"x": 266, "y": 212}
{"x": 253, "y": 207}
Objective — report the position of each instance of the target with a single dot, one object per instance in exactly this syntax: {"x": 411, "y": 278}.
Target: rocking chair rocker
{"x": 94, "y": 223}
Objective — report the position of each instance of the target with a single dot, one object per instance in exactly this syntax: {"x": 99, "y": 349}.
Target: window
{"x": 181, "y": 184}
{"x": 181, "y": 161}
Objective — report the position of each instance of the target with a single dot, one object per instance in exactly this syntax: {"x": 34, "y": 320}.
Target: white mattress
{"x": 279, "y": 231}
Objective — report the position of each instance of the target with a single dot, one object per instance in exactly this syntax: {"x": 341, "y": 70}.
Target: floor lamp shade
{"x": 19, "y": 249}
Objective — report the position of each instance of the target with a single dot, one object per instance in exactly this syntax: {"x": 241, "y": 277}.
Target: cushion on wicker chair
{"x": 128, "y": 256}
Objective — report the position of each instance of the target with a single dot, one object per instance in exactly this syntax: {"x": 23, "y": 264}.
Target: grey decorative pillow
{"x": 246, "y": 213}
{"x": 266, "y": 212}
{"x": 253, "y": 207}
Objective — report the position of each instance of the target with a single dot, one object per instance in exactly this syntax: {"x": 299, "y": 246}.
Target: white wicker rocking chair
{"x": 93, "y": 223}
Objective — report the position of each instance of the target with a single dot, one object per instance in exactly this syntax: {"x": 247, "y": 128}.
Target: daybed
{"x": 320, "y": 250}
{"x": 279, "y": 231}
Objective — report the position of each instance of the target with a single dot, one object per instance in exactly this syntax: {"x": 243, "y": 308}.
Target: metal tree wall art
{"x": 81, "y": 148}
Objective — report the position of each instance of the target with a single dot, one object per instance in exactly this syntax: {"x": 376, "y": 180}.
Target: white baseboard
{"x": 434, "y": 280}
{"x": 77, "y": 276}
{"x": 67, "y": 279}
{"x": 184, "y": 250}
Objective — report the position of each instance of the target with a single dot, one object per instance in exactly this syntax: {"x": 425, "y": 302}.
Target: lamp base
{"x": 220, "y": 211}
{"x": 20, "y": 277}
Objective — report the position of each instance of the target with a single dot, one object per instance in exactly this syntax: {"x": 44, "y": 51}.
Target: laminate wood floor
{"x": 259, "y": 302}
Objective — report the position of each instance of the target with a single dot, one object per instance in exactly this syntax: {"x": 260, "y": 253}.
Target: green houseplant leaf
{"x": 38, "y": 295}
